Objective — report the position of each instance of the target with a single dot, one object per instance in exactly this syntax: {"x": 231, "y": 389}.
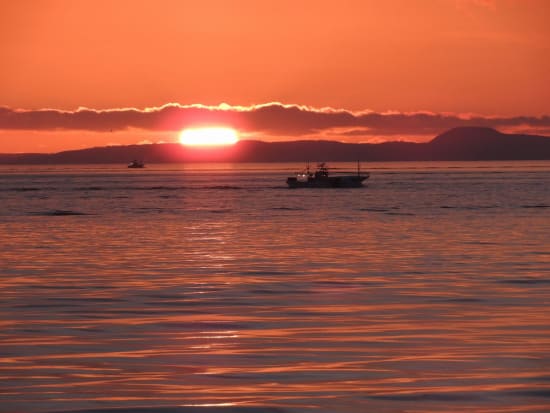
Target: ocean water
{"x": 214, "y": 288}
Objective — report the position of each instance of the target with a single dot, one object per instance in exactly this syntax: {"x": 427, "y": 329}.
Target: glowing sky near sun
{"x": 443, "y": 57}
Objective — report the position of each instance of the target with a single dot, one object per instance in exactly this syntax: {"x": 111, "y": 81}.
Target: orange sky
{"x": 451, "y": 57}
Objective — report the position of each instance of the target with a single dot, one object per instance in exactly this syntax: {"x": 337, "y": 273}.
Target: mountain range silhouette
{"x": 458, "y": 144}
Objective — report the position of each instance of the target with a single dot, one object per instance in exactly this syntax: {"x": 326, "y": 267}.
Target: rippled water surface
{"x": 179, "y": 286}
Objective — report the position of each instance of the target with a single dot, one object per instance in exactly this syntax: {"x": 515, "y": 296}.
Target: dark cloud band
{"x": 273, "y": 119}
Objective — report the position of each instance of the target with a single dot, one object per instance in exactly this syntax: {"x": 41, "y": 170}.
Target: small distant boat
{"x": 321, "y": 179}
{"x": 136, "y": 164}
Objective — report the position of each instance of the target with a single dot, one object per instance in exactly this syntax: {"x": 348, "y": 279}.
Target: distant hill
{"x": 459, "y": 144}
{"x": 487, "y": 144}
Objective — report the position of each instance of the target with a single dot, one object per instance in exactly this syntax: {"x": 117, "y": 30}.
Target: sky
{"x": 76, "y": 74}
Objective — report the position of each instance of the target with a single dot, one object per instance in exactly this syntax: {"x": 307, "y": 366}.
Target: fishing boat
{"x": 136, "y": 164}
{"x": 321, "y": 178}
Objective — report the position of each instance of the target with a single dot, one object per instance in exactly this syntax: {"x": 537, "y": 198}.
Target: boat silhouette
{"x": 136, "y": 164}
{"x": 322, "y": 179}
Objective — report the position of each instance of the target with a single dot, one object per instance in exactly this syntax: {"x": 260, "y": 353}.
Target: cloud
{"x": 265, "y": 121}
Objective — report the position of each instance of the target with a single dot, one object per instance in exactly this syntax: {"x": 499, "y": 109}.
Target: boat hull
{"x": 352, "y": 181}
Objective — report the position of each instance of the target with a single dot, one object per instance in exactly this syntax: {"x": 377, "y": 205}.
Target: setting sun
{"x": 208, "y": 136}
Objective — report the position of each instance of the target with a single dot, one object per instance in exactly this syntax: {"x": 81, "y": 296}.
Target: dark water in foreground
{"x": 214, "y": 285}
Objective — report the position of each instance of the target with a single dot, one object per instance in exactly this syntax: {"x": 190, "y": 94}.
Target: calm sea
{"x": 215, "y": 285}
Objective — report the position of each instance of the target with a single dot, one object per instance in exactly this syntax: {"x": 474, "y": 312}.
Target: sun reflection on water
{"x": 259, "y": 306}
